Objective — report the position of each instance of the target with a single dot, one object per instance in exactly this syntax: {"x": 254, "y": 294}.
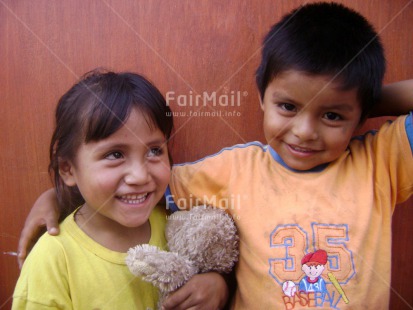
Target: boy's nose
{"x": 305, "y": 128}
{"x": 137, "y": 174}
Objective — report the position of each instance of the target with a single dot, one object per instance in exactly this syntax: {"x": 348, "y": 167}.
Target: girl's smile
{"x": 133, "y": 199}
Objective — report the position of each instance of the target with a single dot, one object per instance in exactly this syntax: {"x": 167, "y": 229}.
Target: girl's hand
{"x": 203, "y": 291}
{"x": 43, "y": 213}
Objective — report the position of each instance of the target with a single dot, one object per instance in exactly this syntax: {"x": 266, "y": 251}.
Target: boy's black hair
{"x": 95, "y": 108}
{"x": 326, "y": 39}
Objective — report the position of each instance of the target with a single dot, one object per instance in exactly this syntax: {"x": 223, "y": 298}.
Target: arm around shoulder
{"x": 396, "y": 99}
{"x": 43, "y": 213}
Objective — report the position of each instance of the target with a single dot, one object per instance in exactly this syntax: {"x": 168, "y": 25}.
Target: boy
{"x": 310, "y": 188}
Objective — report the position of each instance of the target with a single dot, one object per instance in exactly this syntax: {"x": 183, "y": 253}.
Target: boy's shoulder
{"x": 394, "y": 136}
{"x": 401, "y": 126}
{"x": 249, "y": 147}
{"x": 242, "y": 151}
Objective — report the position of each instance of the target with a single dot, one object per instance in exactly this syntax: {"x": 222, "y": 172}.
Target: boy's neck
{"x": 279, "y": 160}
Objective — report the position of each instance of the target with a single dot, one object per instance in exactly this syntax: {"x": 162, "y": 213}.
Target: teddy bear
{"x": 200, "y": 240}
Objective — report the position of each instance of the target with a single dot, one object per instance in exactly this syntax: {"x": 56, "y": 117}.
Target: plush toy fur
{"x": 200, "y": 240}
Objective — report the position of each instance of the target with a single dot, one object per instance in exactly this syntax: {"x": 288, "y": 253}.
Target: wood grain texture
{"x": 187, "y": 48}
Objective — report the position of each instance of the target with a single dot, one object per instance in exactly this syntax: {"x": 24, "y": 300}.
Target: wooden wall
{"x": 186, "y": 48}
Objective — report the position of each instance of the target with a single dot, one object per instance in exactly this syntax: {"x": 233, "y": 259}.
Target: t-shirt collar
{"x": 279, "y": 160}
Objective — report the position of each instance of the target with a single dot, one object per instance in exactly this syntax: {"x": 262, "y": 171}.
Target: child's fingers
{"x": 31, "y": 232}
{"x": 52, "y": 226}
{"x": 26, "y": 241}
{"x": 177, "y": 300}
{"x": 202, "y": 291}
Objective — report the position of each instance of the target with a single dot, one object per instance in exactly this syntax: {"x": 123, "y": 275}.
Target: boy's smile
{"x": 309, "y": 120}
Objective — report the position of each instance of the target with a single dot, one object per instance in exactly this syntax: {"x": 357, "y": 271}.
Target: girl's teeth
{"x": 133, "y": 198}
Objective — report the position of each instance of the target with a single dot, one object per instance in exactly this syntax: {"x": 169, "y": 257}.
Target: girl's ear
{"x": 260, "y": 101}
{"x": 66, "y": 172}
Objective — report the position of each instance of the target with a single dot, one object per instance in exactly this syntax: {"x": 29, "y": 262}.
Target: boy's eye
{"x": 114, "y": 155}
{"x": 155, "y": 151}
{"x": 331, "y": 116}
{"x": 288, "y": 107}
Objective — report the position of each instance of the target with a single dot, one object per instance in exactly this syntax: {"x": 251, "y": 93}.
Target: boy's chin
{"x": 304, "y": 166}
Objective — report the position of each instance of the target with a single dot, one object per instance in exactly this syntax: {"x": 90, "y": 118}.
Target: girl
{"x": 109, "y": 156}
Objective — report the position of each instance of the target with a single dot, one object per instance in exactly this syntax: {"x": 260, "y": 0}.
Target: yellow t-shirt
{"x": 72, "y": 271}
{"x": 344, "y": 208}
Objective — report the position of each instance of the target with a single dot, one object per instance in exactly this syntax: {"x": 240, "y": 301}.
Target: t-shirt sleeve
{"x": 391, "y": 154}
{"x": 204, "y": 182}
{"x": 409, "y": 129}
{"x": 43, "y": 282}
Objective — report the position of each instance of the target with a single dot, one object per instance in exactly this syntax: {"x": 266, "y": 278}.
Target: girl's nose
{"x": 137, "y": 174}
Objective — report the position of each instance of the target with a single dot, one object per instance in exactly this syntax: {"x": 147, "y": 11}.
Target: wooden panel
{"x": 185, "y": 47}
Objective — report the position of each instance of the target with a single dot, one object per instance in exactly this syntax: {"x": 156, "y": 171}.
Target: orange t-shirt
{"x": 344, "y": 208}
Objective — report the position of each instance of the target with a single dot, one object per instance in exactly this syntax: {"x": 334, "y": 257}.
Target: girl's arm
{"x": 397, "y": 99}
{"x": 43, "y": 213}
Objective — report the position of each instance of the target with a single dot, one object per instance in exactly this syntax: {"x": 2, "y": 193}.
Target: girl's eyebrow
{"x": 107, "y": 145}
{"x": 156, "y": 142}
{"x": 104, "y": 145}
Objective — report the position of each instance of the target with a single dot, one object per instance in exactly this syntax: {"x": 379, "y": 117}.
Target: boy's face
{"x": 308, "y": 120}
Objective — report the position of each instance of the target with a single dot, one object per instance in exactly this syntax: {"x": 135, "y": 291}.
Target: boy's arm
{"x": 43, "y": 213}
{"x": 396, "y": 99}
{"x": 203, "y": 291}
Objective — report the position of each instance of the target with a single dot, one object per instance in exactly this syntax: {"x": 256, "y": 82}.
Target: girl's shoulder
{"x": 158, "y": 220}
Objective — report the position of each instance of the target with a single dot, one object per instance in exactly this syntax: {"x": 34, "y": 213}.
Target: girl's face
{"x": 308, "y": 120}
{"x": 124, "y": 176}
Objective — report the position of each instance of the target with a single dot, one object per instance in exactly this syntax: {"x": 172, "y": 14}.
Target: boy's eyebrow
{"x": 283, "y": 97}
{"x": 336, "y": 106}
{"x": 340, "y": 106}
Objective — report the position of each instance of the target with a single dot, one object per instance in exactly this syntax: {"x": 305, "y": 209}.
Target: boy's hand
{"x": 202, "y": 291}
{"x": 43, "y": 213}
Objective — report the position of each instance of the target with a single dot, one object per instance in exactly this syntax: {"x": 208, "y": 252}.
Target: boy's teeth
{"x": 300, "y": 149}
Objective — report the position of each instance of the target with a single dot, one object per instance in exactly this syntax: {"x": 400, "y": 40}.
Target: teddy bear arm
{"x": 165, "y": 270}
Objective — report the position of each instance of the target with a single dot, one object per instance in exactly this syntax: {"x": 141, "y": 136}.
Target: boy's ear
{"x": 66, "y": 172}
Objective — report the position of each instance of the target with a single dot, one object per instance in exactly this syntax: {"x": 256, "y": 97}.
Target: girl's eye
{"x": 114, "y": 155}
{"x": 155, "y": 152}
{"x": 288, "y": 107}
{"x": 331, "y": 116}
